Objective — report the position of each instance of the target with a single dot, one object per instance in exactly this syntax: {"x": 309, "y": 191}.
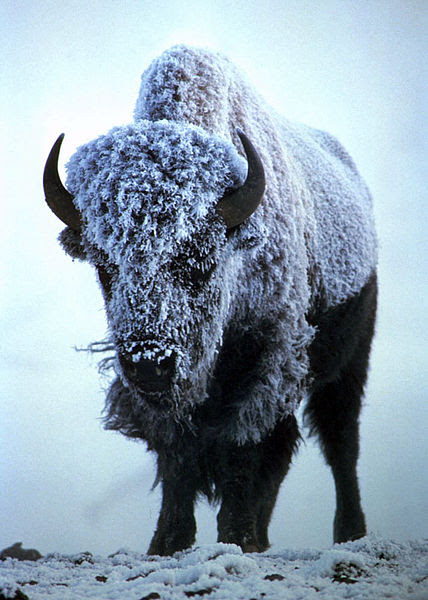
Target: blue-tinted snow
{"x": 366, "y": 569}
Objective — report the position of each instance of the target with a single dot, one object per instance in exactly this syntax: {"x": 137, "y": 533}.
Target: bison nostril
{"x": 148, "y": 374}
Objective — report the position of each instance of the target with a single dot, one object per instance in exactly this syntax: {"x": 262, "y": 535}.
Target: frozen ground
{"x": 371, "y": 568}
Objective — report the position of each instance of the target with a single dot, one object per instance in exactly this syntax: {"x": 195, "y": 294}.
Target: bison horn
{"x": 59, "y": 200}
{"x": 237, "y": 206}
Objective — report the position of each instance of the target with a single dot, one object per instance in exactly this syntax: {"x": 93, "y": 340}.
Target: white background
{"x": 352, "y": 68}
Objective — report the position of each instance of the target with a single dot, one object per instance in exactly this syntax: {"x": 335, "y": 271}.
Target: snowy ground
{"x": 371, "y": 568}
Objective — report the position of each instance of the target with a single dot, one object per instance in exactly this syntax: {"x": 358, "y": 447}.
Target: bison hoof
{"x": 166, "y": 545}
{"x": 252, "y": 548}
{"x": 348, "y": 528}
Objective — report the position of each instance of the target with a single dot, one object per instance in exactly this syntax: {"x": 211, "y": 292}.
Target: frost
{"x": 148, "y": 192}
{"x": 329, "y": 561}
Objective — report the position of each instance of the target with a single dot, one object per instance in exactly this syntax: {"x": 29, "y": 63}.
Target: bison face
{"x": 164, "y": 313}
{"x": 148, "y": 217}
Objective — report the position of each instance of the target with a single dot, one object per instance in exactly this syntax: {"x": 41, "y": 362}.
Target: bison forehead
{"x": 154, "y": 184}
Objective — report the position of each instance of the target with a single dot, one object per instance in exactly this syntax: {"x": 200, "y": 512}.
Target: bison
{"x": 236, "y": 254}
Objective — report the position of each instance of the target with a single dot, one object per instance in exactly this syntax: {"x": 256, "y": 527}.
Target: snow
{"x": 366, "y": 569}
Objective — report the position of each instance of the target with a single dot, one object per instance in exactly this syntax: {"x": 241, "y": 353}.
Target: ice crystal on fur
{"x": 178, "y": 281}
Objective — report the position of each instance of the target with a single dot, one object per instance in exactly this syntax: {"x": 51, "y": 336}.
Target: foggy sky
{"x": 352, "y": 68}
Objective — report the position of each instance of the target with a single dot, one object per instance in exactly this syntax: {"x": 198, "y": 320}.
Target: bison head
{"x": 153, "y": 206}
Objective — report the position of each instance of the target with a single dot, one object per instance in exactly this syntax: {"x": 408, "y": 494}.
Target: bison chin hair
{"x": 189, "y": 386}
{"x": 186, "y": 390}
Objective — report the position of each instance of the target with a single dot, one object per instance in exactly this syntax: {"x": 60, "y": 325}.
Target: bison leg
{"x": 278, "y": 451}
{"x": 249, "y": 484}
{"x": 339, "y": 357}
{"x": 176, "y": 527}
{"x": 333, "y": 412}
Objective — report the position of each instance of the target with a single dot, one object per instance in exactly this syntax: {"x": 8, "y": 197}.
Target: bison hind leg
{"x": 340, "y": 356}
{"x": 333, "y": 415}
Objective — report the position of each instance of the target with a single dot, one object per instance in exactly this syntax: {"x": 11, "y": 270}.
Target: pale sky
{"x": 352, "y": 68}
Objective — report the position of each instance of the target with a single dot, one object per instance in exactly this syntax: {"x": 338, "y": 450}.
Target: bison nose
{"x": 149, "y": 375}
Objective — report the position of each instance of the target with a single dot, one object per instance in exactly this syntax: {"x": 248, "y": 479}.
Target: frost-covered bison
{"x": 230, "y": 295}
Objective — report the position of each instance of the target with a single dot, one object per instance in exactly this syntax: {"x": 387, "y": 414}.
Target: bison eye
{"x": 201, "y": 273}
{"x": 192, "y": 274}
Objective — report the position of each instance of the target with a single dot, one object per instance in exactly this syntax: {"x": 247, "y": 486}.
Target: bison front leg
{"x": 249, "y": 485}
{"x": 176, "y": 527}
{"x": 237, "y": 518}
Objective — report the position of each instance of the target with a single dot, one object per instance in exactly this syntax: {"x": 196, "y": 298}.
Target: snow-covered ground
{"x": 370, "y": 568}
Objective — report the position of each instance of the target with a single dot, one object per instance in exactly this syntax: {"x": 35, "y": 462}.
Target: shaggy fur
{"x": 254, "y": 319}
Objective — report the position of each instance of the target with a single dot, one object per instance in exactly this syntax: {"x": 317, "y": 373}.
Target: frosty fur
{"x": 148, "y": 191}
{"x": 256, "y": 318}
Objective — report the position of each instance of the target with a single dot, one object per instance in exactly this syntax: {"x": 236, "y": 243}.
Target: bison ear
{"x": 239, "y": 204}
{"x": 58, "y": 198}
{"x": 72, "y": 243}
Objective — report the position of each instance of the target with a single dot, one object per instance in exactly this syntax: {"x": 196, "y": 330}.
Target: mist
{"x": 352, "y": 68}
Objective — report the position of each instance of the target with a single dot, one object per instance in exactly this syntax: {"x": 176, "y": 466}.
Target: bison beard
{"x": 223, "y": 315}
